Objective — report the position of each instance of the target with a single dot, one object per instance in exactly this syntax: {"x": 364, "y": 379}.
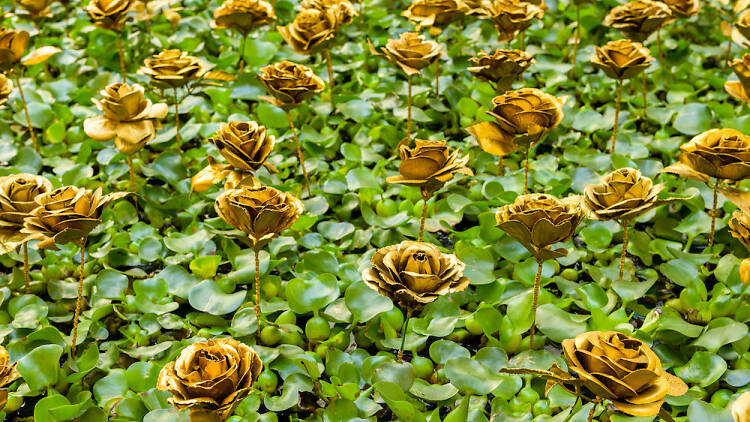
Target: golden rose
{"x": 8, "y": 374}
{"x": 128, "y": 117}
{"x": 511, "y": 17}
{"x": 243, "y": 15}
{"x": 411, "y": 52}
{"x": 210, "y": 378}
{"x": 429, "y": 165}
{"x": 639, "y": 18}
{"x": 720, "y": 153}
{"x": 415, "y": 273}
{"x": 621, "y": 369}
{"x": 683, "y": 8}
{"x": 539, "y": 220}
{"x": 36, "y": 9}
{"x": 622, "y": 59}
{"x": 6, "y": 88}
{"x": 741, "y": 408}
{"x": 502, "y": 67}
{"x": 261, "y": 212}
{"x": 745, "y": 271}
{"x": 173, "y": 68}
{"x": 743, "y": 24}
{"x": 343, "y": 10}
{"x": 245, "y": 145}
{"x": 290, "y": 83}
{"x": 312, "y": 30}
{"x": 67, "y": 214}
{"x": 109, "y": 14}
{"x": 434, "y": 14}
{"x": 622, "y": 195}
{"x": 739, "y": 89}
{"x": 739, "y": 227}
{"x": 12, "y": 46}
{"x": 17, "y": 193}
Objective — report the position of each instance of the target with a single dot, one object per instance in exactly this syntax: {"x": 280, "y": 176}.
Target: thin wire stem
{"x": 526, "y": 170}
{"x": 578, "y": 35}
{"x": 523, "y": 40}
{"x": 617, "y": 116}
{"x": 26, "y": 112}
{"x": 241, "y": 60}
{"x": 437, "y": 78}
{"x": 408, "y": 113}
{"x": 534, "y": 301}
{"x": 329, "y": 64}
{"x": 132, "y": 173}
{"x": 661, "y": 52}
{"x": 645, "y": 98}
{"x": 177, "y": 118}
{"x": 421, "y": 222}
{"x": 299, "y": 152}
{"x": 403, "y": 336}
{"x": 123, "y": 72}
{"x": 591, "y": 413}
{"x": 624, "y": 250}
{"x": 257, "y": 290}
{"x": 26, "y": 277}
{"x": 713, "y": 216}
{"x": 500, "y": 165}
{"x": 79, "y": 300}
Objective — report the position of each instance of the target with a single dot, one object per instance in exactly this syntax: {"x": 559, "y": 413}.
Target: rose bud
{"x": 739, "y": 89}
{"x": 129, "y": 117}
{"x": 6, "y": 88}
{"x": 17, "y": 193}
{"x": 12, "y": 46}
{"x": 621, "y": 369}
{"x": 312, "y": 30}
{"x": 211, "y": 378}
{"x": 67, "y": 214}
{"x": 622, "y": 59}
{"x": 243, "y": 15}
{"x": 173, "y": 68}
{"x": 109, "y": 14}
{"x": 434, "y": 14}
{"x": 501, "y": 68}
{"x": 639, "y": 18}
{"x": 413, "y": 274}
{"x": 720, "y": 153}
{"x": 261, "y": 212}
{"x": 289, "y": 83}
{"x": 539, "y": 220}
{"x": 429, "y": 165}
{"x": 8, "y": 374}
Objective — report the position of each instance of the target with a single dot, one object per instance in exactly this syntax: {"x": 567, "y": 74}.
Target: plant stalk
{"x": 241, "y": 60}
{"x": 123, "y": 72}
{"x": 257, "y": 290}
{"x": 526, "y": 170}
{"x": 79, "y": 300}
{"x": 177, "y": 118}
{"x": 26, "y": 277}
{"x": 132, "y": 173}
{"x": 26, "y": 112}
{"x": 712, "y": 233}
{"x": 329, "y": 64}
{"x": 624, "y": 250}
{"x": 645, "y": 98}
{"x": 299, "y": 152}
{"x": 534, "y": 301}
{"x": 403, "y": 336}
{"x": 437, "y": 78}
{"x": 617, "y": 116}
{"x": 421, "y": 222}
{"x": 408, "y": 113}
{"x": 578, "y": 36}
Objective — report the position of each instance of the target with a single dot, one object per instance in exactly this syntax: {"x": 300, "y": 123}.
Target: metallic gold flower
{"x": 739, "y": 89}
{"x": 6, "y": 88}
{"x": 622, "y": 195}
{"x": 36, "y": 9}
{"x": 109, "y": 14}
{"x": 17, "y": 193}
{"x": 290, "y": 83}
{"x": 739, "y": 227}
{"x": 539, "y": 220}
{"x": 245, "y": 145}
{"x": 311, "y": 31}
{"x": 8, "y": 374}
{"x": 429, "y": 165}
{"x": 411, "y": 52}
{"x": 621, "y": 369}
{"x": 510, "y": 16}
{"x": 745, "y": 277}
{"x": 521, "y": 117}
{"x": 262, "y": 212}
{"x": 502, "y": 67}
{"x": 173, "y": 68}
{"x": 720, "y": 153}
{"x": 210, "y": 378}
{"x": 67, "y": 214}
{"x": 12, "y": 46}
{"x": 415, "y": 273}
{"x": 622, "y": 59}
{"x": 683, "y": 8}
{"x": 743, "y": 24}
{"x": 639, "y": 18}
{"x": 343, "y": 10}
{"x": 129, "y": 117}
{"x": 741, "y": 408}
{"x": 243, "y": 15}
{"x": 434, "y": 14}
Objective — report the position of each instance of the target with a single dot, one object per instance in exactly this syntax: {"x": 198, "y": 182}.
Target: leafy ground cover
{"x": 163, "y": 271}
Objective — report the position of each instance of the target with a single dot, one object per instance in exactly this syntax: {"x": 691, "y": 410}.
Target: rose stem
{"x": 424, "y": 215}
{"x": 624, "y": 250}
{"x": 526, "y": 170}
{"x": 177, "y": 118}
{"x": 661, "y": 53}
{"x": 361, "y": 13}
{"x": 329, "y": 63}
{"x": 713, "y": 217}
{"x": 500, "y": 165}
{"x": 591, "y": 413}
{"x": 79, "y": 300}
{"x": 729, "y": 43}
{"x": 617, "y": 115}
{"x": 437, "y": 78}
{"x": 122, "y": 59}
{"x": 26, "y": 277}
{"x": 132, "y": 173}
{"x": 26, "y": 112}
{"x": 408, "y": 114}
{"x": 645, "y": 100}
{"x": 535, "y": 298}
{"x": 257, "y": 289}
{"x": 578, "y": 35}
{"x": 523, "y": 40}
{"x": 403, "y": 336}
{"x": 241, "y": 61}
{"x": 299, "y": 152}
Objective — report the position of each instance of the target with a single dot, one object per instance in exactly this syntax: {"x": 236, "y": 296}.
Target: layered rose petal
{"x": 719, "y": 153}
{"x": 622, "y": 59}
{"x": 622, "y": 195}
{"x": 639, "y": 18}
{"x": 502, "y": 67}
{"x": 411, "y": 52}
{"x": 429, "y": 165}
{"x": 434, "y": 14}
{"x": 173, "y": 68}
{"x": 290, "y": 83}
{"x": 243, "y": 15}
{"x": 12, "y": 47}
{"x": 109, "y": 14}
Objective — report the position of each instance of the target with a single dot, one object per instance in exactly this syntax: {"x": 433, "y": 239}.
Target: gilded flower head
{"x": 502, "y": 67}
{"x": 17, "y": 193}
{"x": 173, "y": 68}
{"x": 622, "y": 59}
{"x": 109, "y": 14}
{"x": 411, "y": 52}
{"x": 243, "y": 15}
{"x": 639, "y": 18}
{"x": 434, "y": 14}
{"x": 429, "y": 165}
{"x": 290, "y": 83}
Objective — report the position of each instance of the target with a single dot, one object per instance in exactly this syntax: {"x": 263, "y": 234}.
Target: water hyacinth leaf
{"x": 471, "y": 377}
{"x": 40, "y": 367}
{"x": 207, "y": 296}
{"x": 364, "y": 302}
{"x": 311, "y": 295}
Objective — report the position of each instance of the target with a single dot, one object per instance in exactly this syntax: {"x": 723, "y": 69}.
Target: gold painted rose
{"x": 720, "y": 153}
{"x": 289, "y": 83}
{"x": 434, "y": 14}
{"x": 243, "y": 15}
{"x": 739, "y": 89}
{"x": 622, "y": 59}
{"x": 17, "y": 193}
{"x": 411, "y": 52}
{"x": 109, "y": 14}
{"x": 638, "y": 19}
{"x": 502, "y": 68}
{"x": 429, "y": 165}
{"x": 8, "y": 374}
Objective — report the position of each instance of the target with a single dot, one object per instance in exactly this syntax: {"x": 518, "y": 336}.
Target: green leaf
{"x": 311, "y": 295}
{"x": 471, "y": 377}
{"x": 39, "y": 368}
{"x": 364, "y": 302}
{"x": 205, "y": 266}
{"x": 693, "y": 119}
{"x": 559, "y": 325}
{"x": 207, "y": 296}
{"x": 703, "y": 368}
{"x": 111, "y": 284}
